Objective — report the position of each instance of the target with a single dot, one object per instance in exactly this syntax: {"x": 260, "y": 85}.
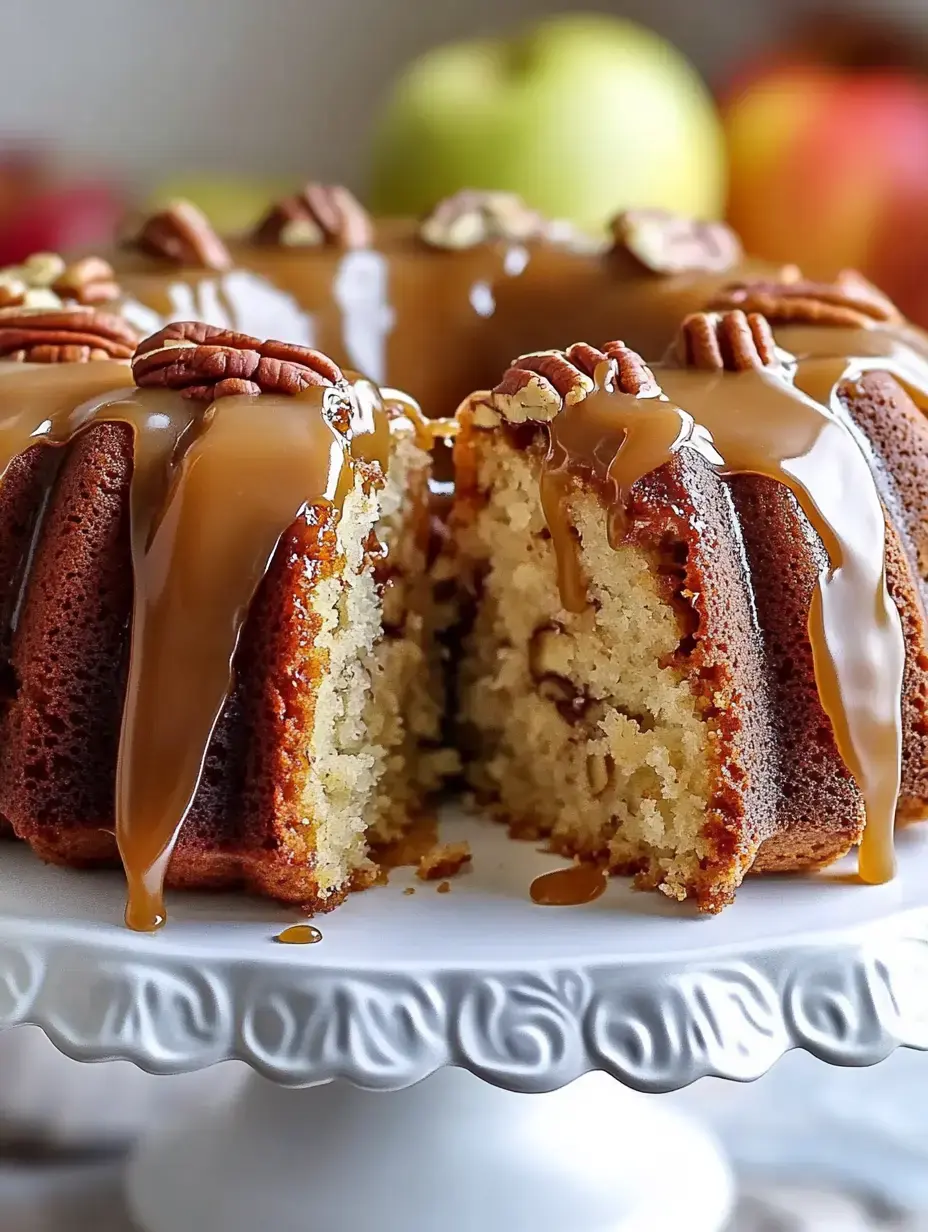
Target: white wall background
{"x": 279, "y": 86}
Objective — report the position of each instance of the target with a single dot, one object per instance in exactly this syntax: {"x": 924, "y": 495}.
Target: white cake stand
{"x": 526, "y": 998}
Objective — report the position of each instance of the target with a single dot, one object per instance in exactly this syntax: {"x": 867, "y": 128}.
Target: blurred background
{"x": 814, "y": 139}
{"x": 806, "y": 124}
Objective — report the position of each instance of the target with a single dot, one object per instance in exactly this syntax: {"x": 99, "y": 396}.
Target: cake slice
{"x": 659, "y": 674}
{"x": 212, "y": 589}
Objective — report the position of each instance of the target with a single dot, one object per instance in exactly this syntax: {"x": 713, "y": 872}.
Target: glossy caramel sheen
{"x": 568, "y": 887}
{"x": 785, "y": 424}
{"x": 214, "y": 487}
{"x": 299, "y": 934}
{"x": 434, "y": 322}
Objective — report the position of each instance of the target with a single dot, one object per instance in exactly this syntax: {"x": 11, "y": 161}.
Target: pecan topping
{"x": 30, "y": 285}
{"x": 850, "y": 302}
{"x": 471, "y": 217}
{"x": 540, "y": 385}
{"x": 204, "y": 361}
{"x": 730, "y": 341}
{"x": 321, "y": 214}
{"x": 66, "y": 336}
{"x": 90, "y": 280}
{"x": 667, "y": 243}
{"x": 182, "y": 233}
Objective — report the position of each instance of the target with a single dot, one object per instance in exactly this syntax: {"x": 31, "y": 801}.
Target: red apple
{"x": 829, "y": 168}
{"x": 61, "y": 219}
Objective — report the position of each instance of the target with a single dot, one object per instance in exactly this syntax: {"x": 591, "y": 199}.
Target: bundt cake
{"x": 698, "y": 640}
{"x": 436, "y": 307}
{"x": 689, "y": 592}
{"x": 215, "y": 631}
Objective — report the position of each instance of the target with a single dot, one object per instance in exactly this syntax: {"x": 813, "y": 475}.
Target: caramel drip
{"x": 241, "y": 480}
{"x": 299, "y": 934}
{"x": 568, "y": 887}
{"x": 756, "y": 422}
{"x": 214, "y": 487}
{"x": 245, "y": 473}
{"x": 434, "y": 322}
{"x": 763, "y": 426}
{"x": 428, "y": 431}
{"x": 905, "y": 346}
{"x": 37, "y": 401}
{"x": 819, "y": 376}
{"x": 620, "y": 439}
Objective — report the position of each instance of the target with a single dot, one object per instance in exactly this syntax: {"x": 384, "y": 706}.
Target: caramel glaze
{"x": 568, "y": 887}
{"x": 436, "y": 323}
{"x": 299, "y": 934}
{"x": 787, "y": 425}
{"x": 214, "y": 487}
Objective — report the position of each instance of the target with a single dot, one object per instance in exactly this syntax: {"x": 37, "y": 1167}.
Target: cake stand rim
{"x": 655, "y": 1021}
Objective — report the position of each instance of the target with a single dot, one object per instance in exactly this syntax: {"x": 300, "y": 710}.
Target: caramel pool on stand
{"x": 299, "y": 934}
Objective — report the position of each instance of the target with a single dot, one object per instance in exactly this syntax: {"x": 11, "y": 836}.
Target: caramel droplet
{"x": 568, "y": 887}
{"x": 299, "y": 934}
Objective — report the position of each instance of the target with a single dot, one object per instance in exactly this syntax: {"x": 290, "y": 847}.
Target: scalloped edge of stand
{"x": 655, "y": 1020}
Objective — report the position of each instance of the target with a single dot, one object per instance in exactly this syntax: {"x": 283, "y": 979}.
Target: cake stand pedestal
{"x": 353, "y": 1120}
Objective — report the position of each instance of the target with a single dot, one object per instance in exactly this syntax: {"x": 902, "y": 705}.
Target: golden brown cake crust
{"x": 60, "y": 732}
{"x": 820, "y": 813}
{"x": 897, "y": 432}
{"x": 787, "y": 801}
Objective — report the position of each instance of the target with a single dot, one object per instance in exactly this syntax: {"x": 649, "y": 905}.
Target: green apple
{"x": 581, "y": 115}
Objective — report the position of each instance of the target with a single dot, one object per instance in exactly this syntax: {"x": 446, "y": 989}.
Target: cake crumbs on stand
{"x": 443, "y": 860}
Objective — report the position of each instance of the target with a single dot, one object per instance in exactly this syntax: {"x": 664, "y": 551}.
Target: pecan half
{"x": 320, "y": 214}
{"x": 472, "y": 217}
{"x": 850, "y": 302}
{"x": 29, "y": 285}
{"x": 538, "y": 386}
{"x": 91, "y": 280}
{"x": 182, "y": 233}
{"x": 727, "y": 341}
{"x": 75, "y": 336}
{"x": 204, "y": 361}
{"x": 667, "y": 243}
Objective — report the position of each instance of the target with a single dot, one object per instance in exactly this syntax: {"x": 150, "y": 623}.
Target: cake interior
{"x": 374, "y": 709}
{"x": 578, "y": 726}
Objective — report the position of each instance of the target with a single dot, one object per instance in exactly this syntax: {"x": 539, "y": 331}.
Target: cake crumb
{"x": 366, "y": 875}
{"x": 443, "y": 860}
{"x": 525, "y": 831}
{"x": 444, "y": 887}
{"x": 406, "y": 852}
{"x": 410, "y": 890}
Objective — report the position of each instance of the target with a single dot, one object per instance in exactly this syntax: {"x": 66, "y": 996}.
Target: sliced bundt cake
{"x": 215, "y": 634}
{"x": 685, "y": 661}
{"x": 695, "y": 592}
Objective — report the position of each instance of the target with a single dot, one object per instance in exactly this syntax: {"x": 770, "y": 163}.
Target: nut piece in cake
{"x": 444, "y": 860}
{"x": 64, "y": 335}
{"x": 319, "y": 215}
{"x": 725, "y": 341}
{"x": 850, "y": 302}
{"x": 205, "y": 361}
{"x": 537, "y": 387}
{"x": 182, "y": 233}
{"x": 45, "y": 280}
{"x": 89, "y": 280}
{"x": 470, "y": 218}
{"x": 667, "y": 243}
